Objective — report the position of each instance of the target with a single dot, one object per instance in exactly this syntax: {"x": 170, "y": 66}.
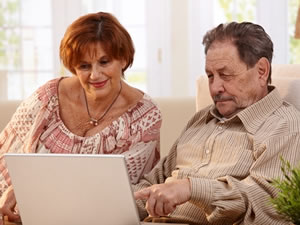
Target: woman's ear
{"x": 123, "y": 64}
{"x": 263, "y": 69}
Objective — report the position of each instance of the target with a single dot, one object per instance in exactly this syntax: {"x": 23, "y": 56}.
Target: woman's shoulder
{"x": 48, "y": 90}
{"x": 148, "y": 102}
{"x": 32, "y": 107}
{"x": 43, "y": 94}
{"x": 145, "y": 109}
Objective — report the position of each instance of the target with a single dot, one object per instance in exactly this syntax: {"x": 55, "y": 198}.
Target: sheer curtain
{"x": 297, "y": 28}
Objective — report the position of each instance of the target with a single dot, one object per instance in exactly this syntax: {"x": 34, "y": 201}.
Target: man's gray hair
{"x": 251, "y": 40}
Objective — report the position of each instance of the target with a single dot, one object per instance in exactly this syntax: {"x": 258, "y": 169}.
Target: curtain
{"x": 297, "y": 29}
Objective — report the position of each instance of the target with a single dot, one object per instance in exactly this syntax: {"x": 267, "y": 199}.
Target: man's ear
{"x": 263, "y": 69}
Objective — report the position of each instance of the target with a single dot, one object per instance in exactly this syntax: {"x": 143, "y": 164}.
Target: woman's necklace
{"x": 94, "y": 121}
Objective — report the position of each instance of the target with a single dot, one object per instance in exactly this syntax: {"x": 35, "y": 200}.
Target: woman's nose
{"x": 96, "y": 71}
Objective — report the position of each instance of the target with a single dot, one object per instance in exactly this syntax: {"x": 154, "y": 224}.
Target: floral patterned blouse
{"x": 36, "y": 127}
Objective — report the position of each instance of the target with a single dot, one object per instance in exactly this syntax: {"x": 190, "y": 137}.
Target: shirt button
{"x": 220, "y": 128}
{"x": 207, "y": 151}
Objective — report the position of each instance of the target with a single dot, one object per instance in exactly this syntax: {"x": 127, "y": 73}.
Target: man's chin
{"x": 224, "y": 112}
{"x": 227, "y": 113}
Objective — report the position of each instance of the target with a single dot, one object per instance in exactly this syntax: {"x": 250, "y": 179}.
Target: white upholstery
{"x": 289, "y": 88}
{"x": 285, "y": 77}
{"x": 176, "y": 112}
{"x": 203, "y": 97}
{"x": 286, "y": 70}
{"x": 7, "y": 108}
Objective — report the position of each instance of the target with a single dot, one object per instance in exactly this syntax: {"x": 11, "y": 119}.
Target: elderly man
{"x": 219, "y": 171}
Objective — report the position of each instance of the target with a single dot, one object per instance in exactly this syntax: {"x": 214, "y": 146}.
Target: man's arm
{"x": 248, "y": 199}
{"x": 157, "y": 178}
{"x": 157, "y": 175}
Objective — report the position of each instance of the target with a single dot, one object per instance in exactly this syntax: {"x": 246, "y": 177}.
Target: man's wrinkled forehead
{"x": 222, "y": 55}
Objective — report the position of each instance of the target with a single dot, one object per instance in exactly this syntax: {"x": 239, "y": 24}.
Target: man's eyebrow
{"x": 222, "y": 69}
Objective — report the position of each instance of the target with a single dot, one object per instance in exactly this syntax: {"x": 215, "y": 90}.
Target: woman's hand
{"x": 7, "y": 206}
{"x": 162, "y": 199}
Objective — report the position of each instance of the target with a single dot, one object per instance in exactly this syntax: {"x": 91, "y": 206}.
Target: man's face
{"x": 232, "y": 85}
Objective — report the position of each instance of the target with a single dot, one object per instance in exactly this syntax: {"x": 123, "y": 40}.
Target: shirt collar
{"x": 253, "y": 116}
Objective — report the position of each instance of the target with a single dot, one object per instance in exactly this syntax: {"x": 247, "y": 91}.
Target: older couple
{"x": 221, "y": 167}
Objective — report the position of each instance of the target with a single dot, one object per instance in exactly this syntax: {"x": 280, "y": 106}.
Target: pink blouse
{"x": 37, "y": 127}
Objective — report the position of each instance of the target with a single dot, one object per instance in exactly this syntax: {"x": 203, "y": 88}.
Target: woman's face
{"x": 99, "y": 74}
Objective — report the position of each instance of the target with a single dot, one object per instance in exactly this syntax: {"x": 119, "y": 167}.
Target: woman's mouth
{"x": 99, "y": 84}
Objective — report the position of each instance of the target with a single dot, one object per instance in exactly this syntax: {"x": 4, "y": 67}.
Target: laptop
{"x": 72, "y": 189}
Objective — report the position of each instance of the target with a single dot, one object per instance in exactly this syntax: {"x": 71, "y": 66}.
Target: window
{"x": 234, "y": 10}
{"x": 167, "y": 36}
{"x": 26, "y": 47}
{"x": 294, "y": 44}
{"x": 245, "y": 10}
{"x": 274, "y": 20}
{"x": 31, "y": 31}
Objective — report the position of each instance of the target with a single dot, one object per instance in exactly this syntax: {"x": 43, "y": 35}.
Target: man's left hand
{"x": 162, "y": 199}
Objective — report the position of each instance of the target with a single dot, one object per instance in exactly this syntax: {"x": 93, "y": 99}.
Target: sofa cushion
{"x": 289, "y": 89}
{"x": 176, "y": 112}
{"x": 285, "y": 70}
{"x": 203, "y": 97}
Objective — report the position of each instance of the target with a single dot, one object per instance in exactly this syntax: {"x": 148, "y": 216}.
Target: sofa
{"x": 177, "y": 111}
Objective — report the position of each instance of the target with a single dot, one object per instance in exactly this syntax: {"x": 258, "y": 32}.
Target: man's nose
{"x": 216, "y": 86}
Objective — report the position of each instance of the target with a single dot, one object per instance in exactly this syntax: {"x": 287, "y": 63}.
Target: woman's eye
{"x": 104, "y": 62}
{"x": 84, "y": 66}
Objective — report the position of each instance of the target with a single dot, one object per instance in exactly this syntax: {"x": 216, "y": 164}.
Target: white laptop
{"x": 68, "y": 189}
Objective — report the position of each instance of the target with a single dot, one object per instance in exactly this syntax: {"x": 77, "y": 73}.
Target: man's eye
{"x": 209, "y": 76}
{"x": 226, "y": 77}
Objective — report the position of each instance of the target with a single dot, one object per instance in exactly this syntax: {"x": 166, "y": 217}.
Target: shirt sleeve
{"x": 248, "y": 200}
{"x": 159, "y": 173}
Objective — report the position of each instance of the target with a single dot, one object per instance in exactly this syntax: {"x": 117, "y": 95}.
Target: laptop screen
{"x": 72, "y": 189}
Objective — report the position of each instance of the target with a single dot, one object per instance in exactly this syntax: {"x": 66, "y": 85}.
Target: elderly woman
{"x": 92, "y": 112}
